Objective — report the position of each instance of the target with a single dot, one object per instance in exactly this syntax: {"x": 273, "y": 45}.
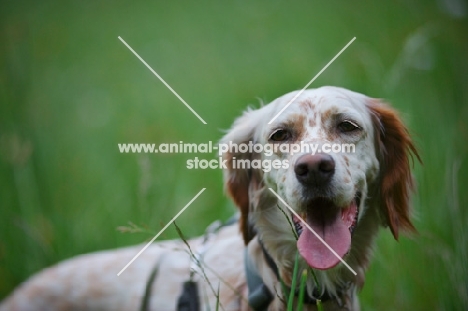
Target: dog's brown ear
{"x": 394, "y": 149}
{"x": 238, "y": 179}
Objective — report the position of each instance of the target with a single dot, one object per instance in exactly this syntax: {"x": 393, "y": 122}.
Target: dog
{"x": 344, "y": 197}
{"x": 302, "y": 213}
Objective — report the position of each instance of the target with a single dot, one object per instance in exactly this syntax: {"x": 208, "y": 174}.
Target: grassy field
{"x": 70, "y": 91}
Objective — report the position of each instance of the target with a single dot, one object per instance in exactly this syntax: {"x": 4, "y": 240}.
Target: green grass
{"x": 70, "y": 91}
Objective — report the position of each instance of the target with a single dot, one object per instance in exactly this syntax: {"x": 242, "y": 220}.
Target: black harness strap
{"x": 149, "y": 285}
{"x": 260, "y": 296}
{"x": 188, "y": 300}
{"x": 270, "y": 262}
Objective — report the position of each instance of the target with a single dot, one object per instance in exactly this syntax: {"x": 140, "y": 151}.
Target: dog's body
{"x": 342, "y": 198}
{"x": 90, "y": 282}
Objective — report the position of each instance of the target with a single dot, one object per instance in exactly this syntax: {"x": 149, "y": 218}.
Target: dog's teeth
{"x": 298, "y": 227}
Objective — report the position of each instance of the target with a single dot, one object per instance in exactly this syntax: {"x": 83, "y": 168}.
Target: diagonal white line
{"x": 308, "y": 227}
{"x": 313, "y": 79}
{"x": 162, "y": 230}
{"x": 162, "y": 80}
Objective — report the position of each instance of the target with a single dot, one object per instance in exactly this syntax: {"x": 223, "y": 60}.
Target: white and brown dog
{"x": 343, "y": 197}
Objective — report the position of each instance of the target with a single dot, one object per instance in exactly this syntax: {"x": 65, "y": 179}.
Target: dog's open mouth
{"x": 333, "y": 224}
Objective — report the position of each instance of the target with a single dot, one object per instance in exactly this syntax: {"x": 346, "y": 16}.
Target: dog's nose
{"x": 315, "y": 169}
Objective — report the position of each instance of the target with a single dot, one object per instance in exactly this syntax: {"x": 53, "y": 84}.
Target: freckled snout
{"x": 314, "y": 170}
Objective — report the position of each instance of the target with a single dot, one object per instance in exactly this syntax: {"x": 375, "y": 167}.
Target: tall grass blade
{"x": 293, "y": 283}
{"x": 302, "y": 289}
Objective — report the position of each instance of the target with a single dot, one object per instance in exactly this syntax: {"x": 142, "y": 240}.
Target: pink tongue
{"x": 335, "y": 233}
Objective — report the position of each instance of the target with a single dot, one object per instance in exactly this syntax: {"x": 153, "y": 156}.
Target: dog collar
{"x": 259, "y": 297}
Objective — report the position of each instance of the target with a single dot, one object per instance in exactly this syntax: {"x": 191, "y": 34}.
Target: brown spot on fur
{"x": 394, "y": 148}
{"x": 304, "y": 105}
{"x": 307, "y": 105}
{"x": 312, "y": 121}
{"x": 330, "y": 133}
{"x": 237, "y": 188}
{"x": 328, "y": 113}
{"x": 296, "y": 124}
{"x": 286, "y": 277}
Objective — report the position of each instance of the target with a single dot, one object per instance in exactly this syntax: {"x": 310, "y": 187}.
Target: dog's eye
{"x": 280, "y": 135}
{"x": 348, "y": 126}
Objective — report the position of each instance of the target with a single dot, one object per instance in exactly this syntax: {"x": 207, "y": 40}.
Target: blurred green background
{"x": 70, "y": 91}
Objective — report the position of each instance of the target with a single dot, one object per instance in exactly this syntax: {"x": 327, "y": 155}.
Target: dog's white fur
{"x": 379, "y": 170}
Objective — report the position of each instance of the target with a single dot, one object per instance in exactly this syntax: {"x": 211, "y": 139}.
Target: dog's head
{"x": 331, "y": 156}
